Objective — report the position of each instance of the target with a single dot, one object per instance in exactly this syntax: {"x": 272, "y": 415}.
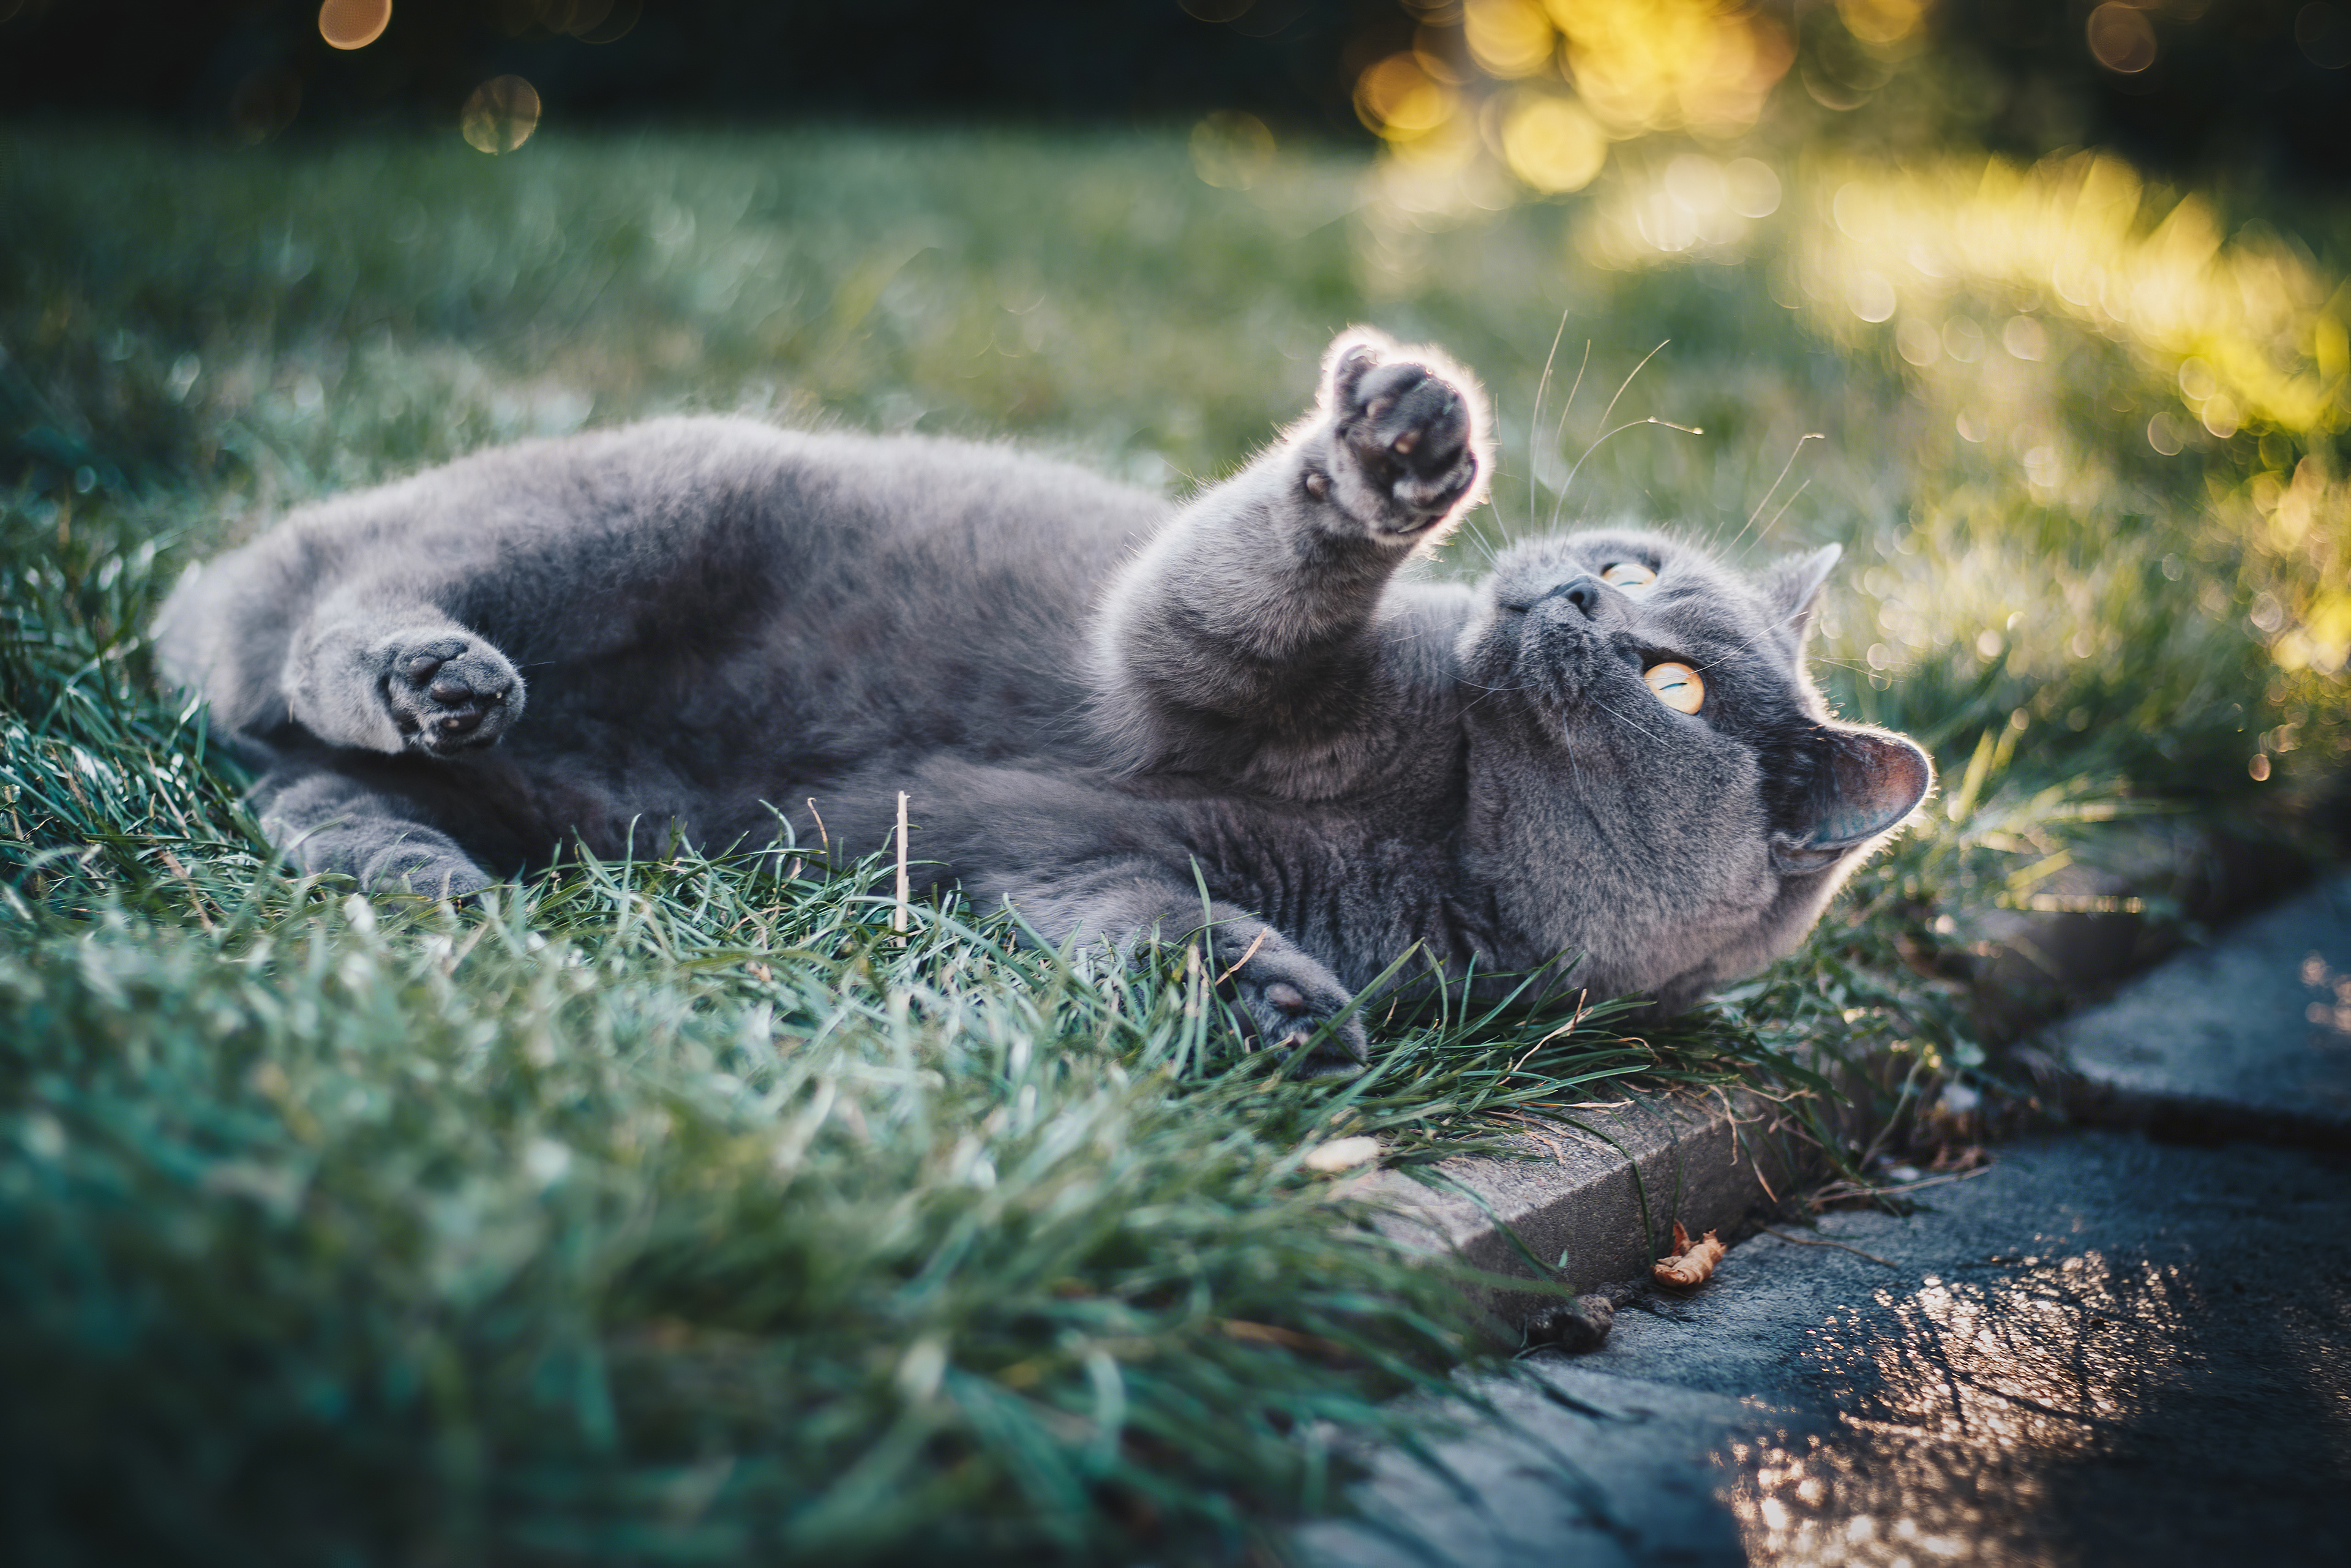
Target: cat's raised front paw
{"x": 450, "y": 694}
{"x": 1401, "y": 450}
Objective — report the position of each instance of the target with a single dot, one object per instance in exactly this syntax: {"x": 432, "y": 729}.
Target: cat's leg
{"x": 326, "y": 820}
{"x": 1285, "y": 996}
{"x": 1250, "y": 619}
{"x": 386, "y": 671}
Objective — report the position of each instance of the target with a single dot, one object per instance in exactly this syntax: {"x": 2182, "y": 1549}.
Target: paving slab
{"x": 2250, "y": 1037}
{"x": 2102, "y": 1350}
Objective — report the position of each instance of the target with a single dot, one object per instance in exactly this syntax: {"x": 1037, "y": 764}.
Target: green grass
{"x": 671, "y": 1211}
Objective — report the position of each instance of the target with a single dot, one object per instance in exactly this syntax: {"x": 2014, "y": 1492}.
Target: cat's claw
{"x": 1401, "y": 452}
{"x": 448, "y": 695}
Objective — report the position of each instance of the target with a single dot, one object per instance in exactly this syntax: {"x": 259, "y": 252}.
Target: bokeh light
{"x": 2121, "y": 37}
{"x": 353, "y": 24}
{"x": 1509, "y": 38}
{"x": 1231, "y": 150}
{"x": 1704, "y": 66}
{"x": 589, "y": 21}
{"x": 1541, "y": 87}
{"x": 1881, "y": 22}
{"x": 500, "y": 115}
{"x": 1400, "y": 101}
{"x": 2324, "y": 35}
{"x": 1552, "y": 144}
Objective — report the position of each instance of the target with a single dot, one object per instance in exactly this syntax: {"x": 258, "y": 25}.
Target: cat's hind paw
{"x": 1403, "y": 450}
{"x": 450, "y": 694}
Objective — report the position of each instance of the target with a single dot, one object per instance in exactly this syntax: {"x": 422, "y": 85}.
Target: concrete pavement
{"x": 2248, "y": 1037}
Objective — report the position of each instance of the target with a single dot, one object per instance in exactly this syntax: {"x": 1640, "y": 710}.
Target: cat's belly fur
{"x": 719, "y": 621}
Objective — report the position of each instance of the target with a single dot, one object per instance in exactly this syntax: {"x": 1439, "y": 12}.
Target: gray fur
{"x": 1097, "y": 702}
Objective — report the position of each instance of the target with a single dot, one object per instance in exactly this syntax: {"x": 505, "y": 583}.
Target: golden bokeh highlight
{"x": 1644, "y": 66}
{"x": 1970, "y": 270}
{"x": 500, "y": 115}
{"x": 1552, "y": 143}
{"x": 1399, "y": 101}
{"x": 1546, "y": 85}
{"x": 1509, "y": 38}
{"x": 2247, "y": 326}
{"x": 353, "y": 24}
{"x": 1881, "y": 22}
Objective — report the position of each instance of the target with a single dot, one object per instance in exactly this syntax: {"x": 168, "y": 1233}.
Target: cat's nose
{"x": 1581, "y": 591}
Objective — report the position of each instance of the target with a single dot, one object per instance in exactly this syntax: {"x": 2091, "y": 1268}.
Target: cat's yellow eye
{"x": 1627, "y": 575}
{"x": 1678, "y": 685}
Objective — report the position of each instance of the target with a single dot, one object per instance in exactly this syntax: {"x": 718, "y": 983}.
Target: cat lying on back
{"x": 1606, "y": 757}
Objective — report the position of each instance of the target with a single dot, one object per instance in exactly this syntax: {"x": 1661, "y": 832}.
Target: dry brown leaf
{"x": 1690, "y": 1264}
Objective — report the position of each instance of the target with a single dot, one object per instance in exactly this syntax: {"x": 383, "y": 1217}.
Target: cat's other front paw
{"x": 450, "y": 694}
{"x": 1287, "y": 999}
{"x": 422, "y": 871}
{"x": 1403, "y": 449}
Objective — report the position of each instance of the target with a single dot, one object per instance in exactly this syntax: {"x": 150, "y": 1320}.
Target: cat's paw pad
{"x": 450, "y": 694}
{"x": 1287, "y": 1000}
{"x": 1402, "y": 453}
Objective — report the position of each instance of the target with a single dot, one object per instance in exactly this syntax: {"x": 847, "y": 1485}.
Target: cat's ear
{"x": 1791, "y": 591}
{"x": 1865, "y": 783}
{"x": 1352, "y": 355}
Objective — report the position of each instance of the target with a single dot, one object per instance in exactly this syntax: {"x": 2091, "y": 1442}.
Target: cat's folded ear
{"x": 1864, "y": 783}
{"x": 1791, "y": 591}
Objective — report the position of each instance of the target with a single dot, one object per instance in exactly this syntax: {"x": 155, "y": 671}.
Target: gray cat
{"x": 1606, "y": 759}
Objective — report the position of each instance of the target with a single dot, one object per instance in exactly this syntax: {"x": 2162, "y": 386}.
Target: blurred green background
{"x": 466, "y": 1223}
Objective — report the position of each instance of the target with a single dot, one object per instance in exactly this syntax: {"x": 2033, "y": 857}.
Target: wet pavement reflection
{"x": 2103, "y": 1351}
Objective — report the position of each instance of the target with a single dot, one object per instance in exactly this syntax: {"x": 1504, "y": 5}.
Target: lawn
{"x": 673, "y": 1211}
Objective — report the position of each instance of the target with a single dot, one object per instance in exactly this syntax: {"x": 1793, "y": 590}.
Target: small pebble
{"x": 1574, "y": 1327}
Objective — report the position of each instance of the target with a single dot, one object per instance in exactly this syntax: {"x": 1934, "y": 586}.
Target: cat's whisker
{"x": 1559, "y": 433}
{"x": 1625, "y": 719}
{"x": 1534, "y": 421}
{"x": 1783, "y": 508}
{"x": 1632, "y": 424}
{"x": 1769, "y": 627}
{"x": 1793, "y": 454}
{"x": 1559, "y": 501}
{"x": 1628, "y": 379}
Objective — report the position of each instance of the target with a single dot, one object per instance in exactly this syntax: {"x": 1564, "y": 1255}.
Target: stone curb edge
{"x": 1596, "y": 1202}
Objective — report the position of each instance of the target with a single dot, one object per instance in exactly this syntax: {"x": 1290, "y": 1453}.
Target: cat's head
{"x": 1655, "y": 782}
